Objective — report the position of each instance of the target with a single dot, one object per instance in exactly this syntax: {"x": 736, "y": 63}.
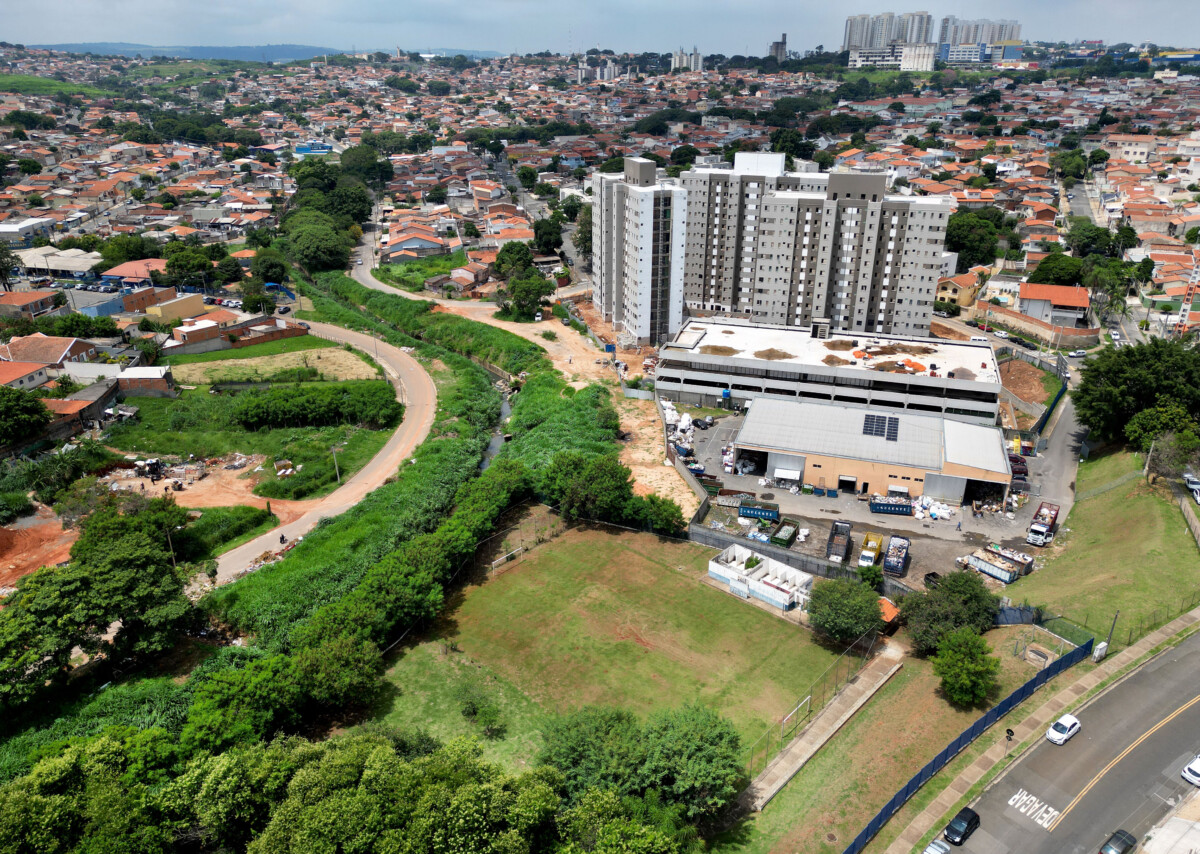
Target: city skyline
{"x": 526, "y": 26}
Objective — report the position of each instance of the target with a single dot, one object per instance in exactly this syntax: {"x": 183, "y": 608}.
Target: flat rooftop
{"x": 796, "y": 347}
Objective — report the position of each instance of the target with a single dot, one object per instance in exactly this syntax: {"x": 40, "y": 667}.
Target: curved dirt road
{"x": 414, "y": 389}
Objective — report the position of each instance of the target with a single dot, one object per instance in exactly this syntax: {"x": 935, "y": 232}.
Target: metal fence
{"x": 813, "y": 699}
{"x": 963, "y": 740}
{"x": 1045, "y": 419}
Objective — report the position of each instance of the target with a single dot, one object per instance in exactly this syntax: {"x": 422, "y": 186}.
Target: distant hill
{"x": 246, "y": 53}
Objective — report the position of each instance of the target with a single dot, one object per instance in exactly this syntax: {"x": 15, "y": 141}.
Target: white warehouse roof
{"x": 876, "y": 434}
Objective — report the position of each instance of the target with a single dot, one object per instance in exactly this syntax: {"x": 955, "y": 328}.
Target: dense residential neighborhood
{"x": 598, "y": 451}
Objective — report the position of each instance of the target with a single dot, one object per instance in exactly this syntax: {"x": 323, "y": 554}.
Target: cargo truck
{"x": 838, "y": 546}
{"x": 872, "y": 547}
{"x": 893, "y": 505}
{"x": 1045, "y": 523}
{"x": 896, "y": 559}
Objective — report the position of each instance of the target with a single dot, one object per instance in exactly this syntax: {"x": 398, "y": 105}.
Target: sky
{"x": 527, "y": 26}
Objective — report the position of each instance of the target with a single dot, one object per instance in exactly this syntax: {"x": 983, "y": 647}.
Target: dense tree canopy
{"x": 845, "y": 610}
{"x": 960, "y": 600}
{"x": 973, "y": 237}
{"x": 22, "y": 416}
{"x": 967, "y": 669}
{"x": 1118, "y": 383}
{"x": 1058, "y": 269}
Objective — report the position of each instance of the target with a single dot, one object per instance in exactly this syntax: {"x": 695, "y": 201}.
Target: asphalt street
{"x": 1120, "y": 771}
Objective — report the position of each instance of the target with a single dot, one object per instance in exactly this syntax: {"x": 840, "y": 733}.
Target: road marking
{"x": 1033, "y": 808}
{"x": 1123, "y": 754}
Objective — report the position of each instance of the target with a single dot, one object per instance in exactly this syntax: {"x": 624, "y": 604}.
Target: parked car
{"x": 1121, "y": 842}
{"x": 1063, "y": 729}
{"x": 1019, "y": 469}
{"x": 1191, "y": 481}
{"x": 972, "y": 323}
{"x": 304, "y": 325}
{"x": 359, "y": 261}
{"x": 284, "y": 309}
{"x": 1116, "y": 336}
{"x": 963, "y": 825}
{"x": 537, "y": 318}
{"x": 1028, "y": 345}
{"x": 1077, "y": 354}
{"x": 1016, "y": 458}
{"x": 1191, "y": 772}
{"x": 936, "y": 846}
{"x": 941, "y": 314}
{"x": 983, "y": 327}
{"x": 1000, "y": 333}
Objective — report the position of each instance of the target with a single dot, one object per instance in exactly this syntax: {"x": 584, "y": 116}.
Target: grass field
{"x": 307, "y": 446}
{"x": 412, "y": 275}
{"x": 28, "y": 84}
{"x": 331, "y": 363}
{"x": 1125, "y": 549}
{"x": 220, "y": 529}
{"x": 877, "y": 751}
{"x": 609, "y": 619}
{"x": 271, "y": 348}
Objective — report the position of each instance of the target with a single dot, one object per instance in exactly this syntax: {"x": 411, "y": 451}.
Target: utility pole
{"x": 336, "y": 470}
{"x": 1113, "y": 628}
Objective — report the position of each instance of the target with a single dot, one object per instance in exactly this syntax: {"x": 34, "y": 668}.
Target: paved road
{"x": 1120, "y": 771}
{"x": 414, "y": 388}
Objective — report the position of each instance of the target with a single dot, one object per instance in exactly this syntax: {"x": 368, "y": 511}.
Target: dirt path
{"x": 33, "y": 542}
{"x": 333, "y": 362}
{"x": 419, "y": 395}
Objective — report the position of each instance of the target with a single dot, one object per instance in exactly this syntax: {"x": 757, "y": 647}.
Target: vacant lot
{"x": 1125, "y": 549}
{"x": 309, "y": 447}
{"x": 1029, "y": 382}
{"x": 271, "y": 348}
{"x": 904, "y": 726}
{"x": 334, "y": 363}
{"x": 28, "y": 84}
{"x": 411, "y": 275}
{"x": 616, "y": 619}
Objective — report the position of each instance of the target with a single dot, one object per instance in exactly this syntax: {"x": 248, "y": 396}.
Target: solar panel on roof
{"x": 874, "y": 425}
{"x": 893, "y": 428}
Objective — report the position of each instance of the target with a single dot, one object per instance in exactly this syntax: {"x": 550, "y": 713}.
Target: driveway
{"x": 414, "y": 389}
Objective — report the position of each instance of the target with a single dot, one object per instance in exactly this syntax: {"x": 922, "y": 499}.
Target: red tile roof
{"x": 1056, "y": 294}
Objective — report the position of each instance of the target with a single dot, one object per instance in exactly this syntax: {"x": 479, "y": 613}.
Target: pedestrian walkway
{"x": 1035, "y": 724}
{"x": 823, "y": 727}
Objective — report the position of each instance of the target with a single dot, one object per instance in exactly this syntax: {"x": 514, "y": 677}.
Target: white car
{"x": 937, "y": 846}
{"x": 1191, "y": 772}
{"x": 1077, "y": 354}
{"x": 1061, "y": 730}
{"x": 1000, "y": 333}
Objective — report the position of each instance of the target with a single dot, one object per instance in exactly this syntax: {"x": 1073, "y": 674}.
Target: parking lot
{"x": 936, "y": 543}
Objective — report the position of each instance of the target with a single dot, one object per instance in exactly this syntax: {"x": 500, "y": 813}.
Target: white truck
{"x": 871, "y": 549}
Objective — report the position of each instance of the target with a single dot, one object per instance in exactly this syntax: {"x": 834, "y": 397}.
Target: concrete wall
{"x": 1062, "y": 336}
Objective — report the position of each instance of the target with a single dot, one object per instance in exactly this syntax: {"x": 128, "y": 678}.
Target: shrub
{"x": 967, "y": 669}
{"x": 960, "y": 600}
{"x": 845, "y": 610}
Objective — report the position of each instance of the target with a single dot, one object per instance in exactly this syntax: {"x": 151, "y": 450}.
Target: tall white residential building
{"x": 883, "y": 30}
{"x": 858, "y": 32}
{"x": 794, "y": 248}
{"x": 956, "y": 31}
{"x": 693, "y": 61}
{"x": 638, "y": 228}
{"x": 873, "y": 32}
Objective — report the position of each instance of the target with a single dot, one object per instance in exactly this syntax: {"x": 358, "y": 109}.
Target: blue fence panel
{"x": 1045, "y": 418}
{"x": 981, "y": 724}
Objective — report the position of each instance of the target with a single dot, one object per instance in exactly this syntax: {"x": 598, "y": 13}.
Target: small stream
{"x": 497, "y": 441}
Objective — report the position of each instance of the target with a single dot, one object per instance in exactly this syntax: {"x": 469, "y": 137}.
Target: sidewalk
{"x": 823, "y": 727}
{"x": 1034, "y": 724}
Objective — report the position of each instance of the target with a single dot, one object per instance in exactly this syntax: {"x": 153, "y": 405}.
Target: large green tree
{"x": 22, "y": 416}
{"x": 1118, "y": 383}
{"x": 844, "y": 609}
{"x": 961, "y": 599}
{"x": 582, "y": 238}
{"x": 8, "y": 262}
{"x": 973, "y": 237}
{"x": 547, "y": 236}
{"x": 966, "y": 667}
{"x": 1058, "y": 269}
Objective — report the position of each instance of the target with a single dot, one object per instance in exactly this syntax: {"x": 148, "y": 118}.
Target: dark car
{"x": 962, "y": 826}
{"x": 1121, "y": 842}
{"x": 283, "y": 309}
{"x": 1019, "y": 468}
{"x": 1016, "y": 458}
{"x": 1019, "y": 484}
{"x": 973, "y": 323}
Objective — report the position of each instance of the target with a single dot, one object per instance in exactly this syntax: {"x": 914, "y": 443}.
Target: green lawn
{"x": 307, "y": 446}
{"x": 611, "y": 619}
{"x": 1104, "y": 466}
{"x": 28, "y": 84}
{"x": 220, "y": 529}
{"x": 271, "y": 348}
{"x": 412, "y": 275}
{"x": 1125, "y": 549}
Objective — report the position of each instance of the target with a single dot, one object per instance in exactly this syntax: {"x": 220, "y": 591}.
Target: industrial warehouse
{"x": 864, "y": 451}
{"x": 727, "y": 362}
